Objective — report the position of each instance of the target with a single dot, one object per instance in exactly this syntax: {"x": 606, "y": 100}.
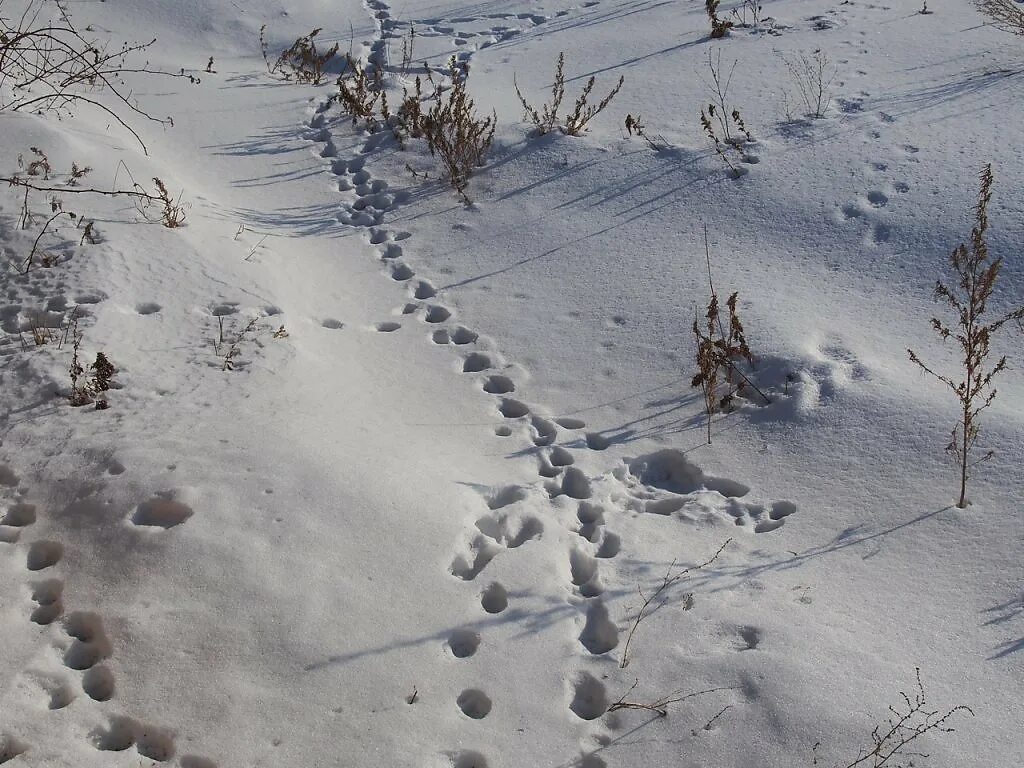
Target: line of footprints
{"x": 82, "y": 646}
{"x": 665, "y": 485}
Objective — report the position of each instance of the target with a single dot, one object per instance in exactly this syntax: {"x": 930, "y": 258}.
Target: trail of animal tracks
{"x": 455, "y": 449}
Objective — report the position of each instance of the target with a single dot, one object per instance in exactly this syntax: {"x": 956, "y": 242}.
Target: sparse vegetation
{"x": 719, "y": 27}
{"x": 302, "y": 62}
{"x": 456, "y": 134}
{"x": 909, "y": 720}
{"x": 669, "y": 580}
{"x": 975, "y": 276}
{"x": 88, "y": 390}
{"x": 718, "y": 353}
{"x": 229, "y": 347}
{"x": 49, "y": 65}
{"x": 660, "y": 705}
{"x": 361, "y": 93}
{"x": 812, "y": 75}
{"x": 547, "y": 118}
{"x": 722, "y": 123}
{"x": 1006, "y": 15}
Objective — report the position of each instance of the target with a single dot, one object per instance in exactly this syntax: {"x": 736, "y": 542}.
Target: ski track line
{"x": 82, "y": 645}
{"x": 664, "y": 483}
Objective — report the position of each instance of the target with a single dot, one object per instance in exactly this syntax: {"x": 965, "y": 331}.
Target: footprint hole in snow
{"x": 499, "y": 385}
{"x": 505, "y": 496}
{"x": 424, "y": 290}
{"x": 388, "y": 327}
{"x": 44, "y": 554}
{"x": 575, "y": 484}
{"x": 47, "y": 614}
{"x": 475, "y": 362}
{"x": 147, "y": 308}
{"x": 750, "y": 637}
{"x": 474, "y": 703}
{"x": 117, "y": 736}
{"x": 589, "y": 698}
{"x": 494, "y": 599}
{"x": 566, "y": 422}
{"x": 462, "y": 335}
{"x": 194, "y": 761}
{"x": 11, "y": 747}
{"x": 154, "y": 743}
{"x": 582, "y": 567}
{"x": 560, "y": 457}
{"x": 463, "y": 643}
{"x": 19, "y": 515}
{"x": 61, "y": 695}
{"x": 610, "y": 545}
{"x": 437, "y": 314}
{"x": 161, "y": 512}
{"x": 98, "y": 683}
{"x": 599, "y": 634}
{"x": 781, "y": 509}
{"x": 332, "y": 324}
{"x": 400, "y": 271}
{"x": 513, "y": 409}
{"x": 469, "y": 758}
{"x": 7, "y": 477}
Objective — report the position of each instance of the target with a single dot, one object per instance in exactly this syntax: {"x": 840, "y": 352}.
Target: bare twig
{"x": 669, "y": 580}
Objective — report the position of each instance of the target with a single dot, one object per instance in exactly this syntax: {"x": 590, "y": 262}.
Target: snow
{"x": 410, "y": 529}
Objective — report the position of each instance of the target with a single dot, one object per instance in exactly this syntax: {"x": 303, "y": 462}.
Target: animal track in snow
{"x": 583, "y": 573}
{"x": 599, "y": 635}
{"x": 388, "y": 326}
{"x": 90, "y": 643}
{"x": 121, "y": 733}
{"x": 498, "y": 385}
{"x": 588, "y": 697}
{"x": 437, "y": 314}
{"x": 19, "y": 515}
{"x": 47, "y": 596}
{"x": 510, "y": 530}
{"x": 506, "y": 495}
{"x": 463, "y": 643}
{"x": 43, "y": 555}
{"x": 591, "y": 517}
{"x": 98, "y": 683}
{"x": 11, "y": 747}
{"x": 480, "y": 551}
{"x": 667, "y": 484}
{"x": 58, "y": 692}
{"x": 475, "y": 362}
{"x": 474, "y": 703}
{"x": 469, "y": 758}
{"x": 513, "y": 409}
{"x": 494, "y": 598}
{"x": 161, "y": 512}
{"x": 575, "y": 484}
{"x": 750, "y": 637}
{"x": 7, "y": 477}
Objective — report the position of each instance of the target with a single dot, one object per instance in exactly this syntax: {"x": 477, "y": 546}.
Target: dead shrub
{"x": 547, "y": 118}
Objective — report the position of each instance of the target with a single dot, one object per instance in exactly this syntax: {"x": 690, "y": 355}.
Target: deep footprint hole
{"x": 463, "y": 643}
{"x": 494, "y": 599}
{"x": 161, "y": 513}
{"x": 474, "y": 703}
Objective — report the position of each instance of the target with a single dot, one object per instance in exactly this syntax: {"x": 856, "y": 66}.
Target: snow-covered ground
{"x": 416, "y": 523}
